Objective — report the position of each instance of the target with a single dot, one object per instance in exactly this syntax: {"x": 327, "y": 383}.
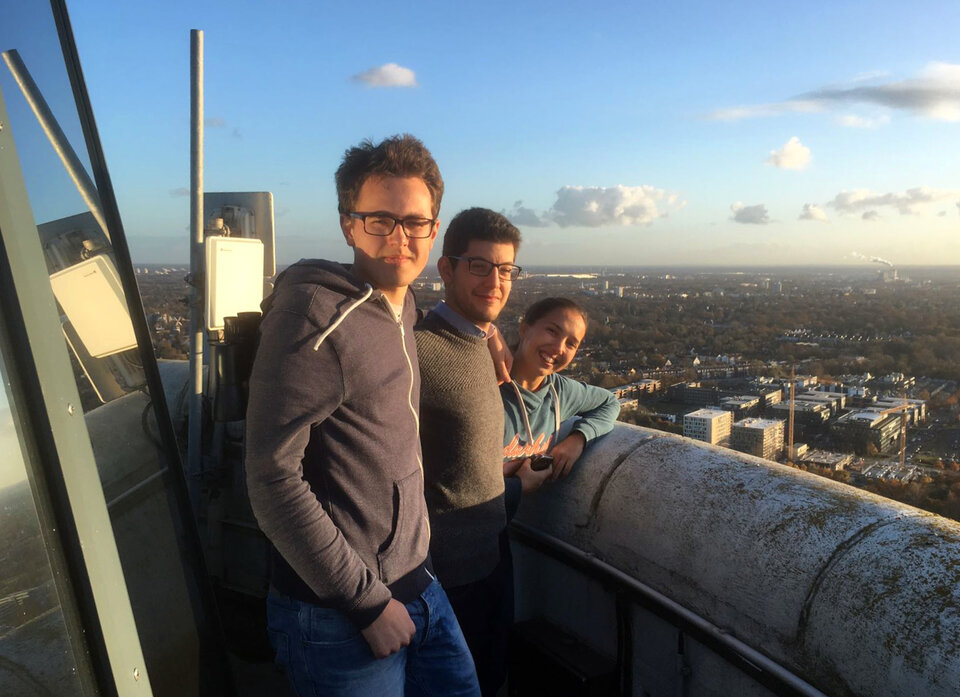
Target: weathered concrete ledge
{"x": 854, "y": 593}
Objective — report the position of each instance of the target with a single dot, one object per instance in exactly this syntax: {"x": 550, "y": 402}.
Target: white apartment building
{"x": 709, "y": 425}
{"x": 760, "y": 437}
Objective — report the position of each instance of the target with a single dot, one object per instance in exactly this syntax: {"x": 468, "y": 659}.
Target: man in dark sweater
{"x": 461, "y": 432}
{"x": 333, "y": 456}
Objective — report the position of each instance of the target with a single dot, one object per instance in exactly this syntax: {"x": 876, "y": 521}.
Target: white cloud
{"x": 753, "y": 215}
{"x": 759, "y": 110}
{"x": 910, "y": 202}
{"x": 854, "y": 121}
{"x": 215, "y": 122}
{"x": 527, "y": 217}
{"x": 595, "y": 206}
{"x": 179, "y": 191}
{"x": 870, "y": 216}
{"x": 388, "y": 75}
{"x": 934, "y": 93}
{"x": 812, "y": 211}
{"x": 793, "y": 155}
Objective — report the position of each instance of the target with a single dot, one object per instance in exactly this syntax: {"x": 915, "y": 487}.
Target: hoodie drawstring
{"x": 326, "y": 332}
{"x": 526, "y": 419}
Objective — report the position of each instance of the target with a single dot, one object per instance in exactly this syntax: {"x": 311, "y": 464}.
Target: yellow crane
{"x": 793, "y": 389}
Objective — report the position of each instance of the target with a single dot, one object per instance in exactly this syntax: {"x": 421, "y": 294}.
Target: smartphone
{"x": 541, "y": 462}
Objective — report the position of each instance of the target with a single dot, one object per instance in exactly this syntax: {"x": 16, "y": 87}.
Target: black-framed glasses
{"x": 479, "y": 266}
{"x": 383, "y": 224}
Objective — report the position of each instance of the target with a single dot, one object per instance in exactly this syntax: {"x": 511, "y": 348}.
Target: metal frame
{"x": 218, "y": 679}
{"x": 38, "y": 447}
{"x": 67, "y": 465}
{"x": 76, "y": 509}
{"x": 746, "y": 659}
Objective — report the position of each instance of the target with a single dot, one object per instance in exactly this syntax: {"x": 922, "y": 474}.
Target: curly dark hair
{"x": 478, "y": 224}
{"x": 397, "y": 156}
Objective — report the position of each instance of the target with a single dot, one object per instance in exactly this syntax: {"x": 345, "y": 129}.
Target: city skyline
{"x": 684, "y": 135}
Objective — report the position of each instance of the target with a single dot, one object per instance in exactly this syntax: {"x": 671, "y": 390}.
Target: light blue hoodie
{"x": 597, "y": 408}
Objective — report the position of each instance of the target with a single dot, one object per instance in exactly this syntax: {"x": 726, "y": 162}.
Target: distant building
{"x": 645, "y": 386}
{"x": 741, "y": 406}
{"x": 916, "y": 408}
{"x": 769, "y": 393}
{"x": 770, "y": 397}
{"x": 760, "y": 437}
{"x": 800, "y": 382}
{"x": 709, "y": 425}
{"x": 834, "y": 401}
{"x": 898, "y": 380}
{"x": 804, "y": 413}
{"x": 861, "y": 428}
{"x": 693, "y": 393}
{"x": 824, "y": 458}
{"x": 891, "y": 472}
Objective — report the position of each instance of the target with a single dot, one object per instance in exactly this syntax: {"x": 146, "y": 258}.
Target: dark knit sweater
{"x": 461, "y": 434}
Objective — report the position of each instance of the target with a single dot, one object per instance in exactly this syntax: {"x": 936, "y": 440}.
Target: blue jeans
{"x": 323, "y": 652}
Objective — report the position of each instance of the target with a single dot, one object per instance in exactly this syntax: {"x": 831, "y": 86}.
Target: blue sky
{"x": 632, "y": 133}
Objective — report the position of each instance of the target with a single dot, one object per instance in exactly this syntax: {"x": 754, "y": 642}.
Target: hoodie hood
{"x": 331, "y": 275}
{"x": 297, "y": 289}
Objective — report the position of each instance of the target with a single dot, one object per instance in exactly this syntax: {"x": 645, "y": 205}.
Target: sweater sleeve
{"x": 292, "y": 389}
{"x": 597, "y": 408}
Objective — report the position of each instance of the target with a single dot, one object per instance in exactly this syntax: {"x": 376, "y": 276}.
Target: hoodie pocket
{"x": 401, "y": 554}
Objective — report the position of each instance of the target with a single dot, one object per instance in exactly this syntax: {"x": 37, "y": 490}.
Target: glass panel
{"x": 37, "y": 657}
{"x": 150, "y": 523}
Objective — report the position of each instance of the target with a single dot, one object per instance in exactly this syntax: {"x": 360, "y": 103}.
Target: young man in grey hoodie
{"x": 333, "y": 459}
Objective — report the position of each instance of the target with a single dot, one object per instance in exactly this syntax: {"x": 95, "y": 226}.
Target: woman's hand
{"x": 502, "y": 358}
{"x": 510, "y": 467}
{"x": 566, "y": 453}
{"x": 530, "y": 479}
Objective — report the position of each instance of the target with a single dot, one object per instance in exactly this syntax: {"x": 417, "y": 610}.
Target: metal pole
{"x": 58, "y": 139}
{"x": 194, "y": 434}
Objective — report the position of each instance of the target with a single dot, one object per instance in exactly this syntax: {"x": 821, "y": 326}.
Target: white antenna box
{"x": 234, "y": 278}
{"x": 92, "y": 299}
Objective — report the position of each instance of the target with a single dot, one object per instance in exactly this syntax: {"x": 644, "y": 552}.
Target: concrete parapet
{"x": 854, "y": 593}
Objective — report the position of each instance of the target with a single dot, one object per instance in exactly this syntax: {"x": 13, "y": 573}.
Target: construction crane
{"x": 793, "y": 389}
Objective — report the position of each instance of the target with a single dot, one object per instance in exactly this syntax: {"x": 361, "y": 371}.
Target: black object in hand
{"x": 541, "y": 462}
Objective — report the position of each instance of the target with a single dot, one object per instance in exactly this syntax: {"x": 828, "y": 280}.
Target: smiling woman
{"x": 538, "y": 400}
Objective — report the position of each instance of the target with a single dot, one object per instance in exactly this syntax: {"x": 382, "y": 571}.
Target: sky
{"x": 633, "y": 133}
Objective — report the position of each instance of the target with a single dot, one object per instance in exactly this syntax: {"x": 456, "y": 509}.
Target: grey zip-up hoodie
{"x": 332, "y": 449}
